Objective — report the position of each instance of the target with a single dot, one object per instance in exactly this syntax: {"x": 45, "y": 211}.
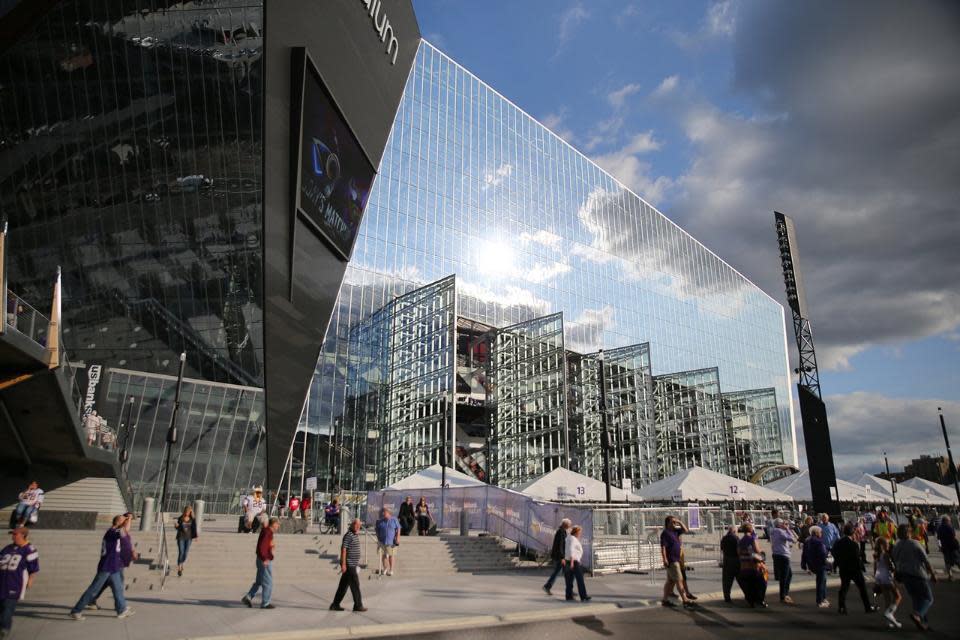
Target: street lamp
{"x": 605, "y": 432}
{"x": 893, "y": 487}
{"x": 172, "y": 434}
{"x": 953, "y": 467}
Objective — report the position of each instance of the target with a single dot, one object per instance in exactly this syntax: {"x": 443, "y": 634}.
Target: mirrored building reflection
{"x": 554, "y": 261}
{"x": 130, "y": 156}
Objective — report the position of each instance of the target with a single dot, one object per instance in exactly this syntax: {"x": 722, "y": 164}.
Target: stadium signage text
{"x": 382, "y": 27}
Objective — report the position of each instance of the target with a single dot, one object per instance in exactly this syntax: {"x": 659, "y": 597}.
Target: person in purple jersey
{"x": 109, "y": 570}
{"x": 127, "y": 552}
{"x": 18, "y": 565}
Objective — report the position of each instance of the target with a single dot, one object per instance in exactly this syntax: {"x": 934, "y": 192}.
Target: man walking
{"x": 349, "y": 569}
{"x": 846, "y": 555}
{"x": 830, "y": 535}
{"x": 771, "y": 522}
{"x": 731, "y": 560}
{"x": 914, "y": 572}
{"x": 670, "y": 547}
{"x": 388, "y": 537}
{"x": 19, "y": 563}
{"x": 557, "y": 552}
{"x": 109, "y": 571}
{"x": 781, "y": 542}
{"x": 264, "y": 579}
{"x": 127, "y": 553}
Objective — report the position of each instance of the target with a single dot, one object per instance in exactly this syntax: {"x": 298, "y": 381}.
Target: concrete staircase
{"x": 99, "y": 495}
{"x": 68, "y": 560}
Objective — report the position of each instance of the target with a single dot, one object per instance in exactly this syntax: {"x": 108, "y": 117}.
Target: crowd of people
{"x": 899, "y": 557}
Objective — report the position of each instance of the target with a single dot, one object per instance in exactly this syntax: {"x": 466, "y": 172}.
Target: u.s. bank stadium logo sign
{"x": 382, "y": 27}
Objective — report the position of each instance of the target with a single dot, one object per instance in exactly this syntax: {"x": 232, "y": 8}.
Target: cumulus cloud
{"x": 584, "y": 334}
{"x": 618, "y": 97}
{"x": 667, "y": 86}
{"x": 855, "y": 133}
{"x": 864, "y": 425}
{"x": 626, "y": 165}
{"x": 556, "y": 122}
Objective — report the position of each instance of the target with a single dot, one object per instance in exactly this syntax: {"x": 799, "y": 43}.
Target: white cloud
{"x": 863, "y": 425}
{"x": 496, "y": 177}
{"x": 667, "y": 86}
{"x": 619, "y": 97}
{"x": 541, "y": 272}
{"x": 625, "y": 165}
{"x": 555, "y": 123}
{"x": 721, "y": 19}
{"x": 570, "y": 19}
{"x": 585, "y": 333}
{"x": 543, "y": 237}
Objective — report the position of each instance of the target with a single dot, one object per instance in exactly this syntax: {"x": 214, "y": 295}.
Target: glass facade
{"x": 220, "y": 436}
{"x": 130, "y": 156}
{"x": 471, "y": 185}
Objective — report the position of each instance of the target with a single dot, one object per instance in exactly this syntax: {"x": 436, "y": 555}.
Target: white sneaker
{"x": 824, "y": 605}
{"x": 888, "y": 614}
{"x": 389, "y": 573}
{"x": 77, "y": 616}
{"x": 126, "y": 613}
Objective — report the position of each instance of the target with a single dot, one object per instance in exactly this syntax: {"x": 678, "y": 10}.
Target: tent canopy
{"x": 429, "y": 478}
{"x": 697, "y": 483}
{"x": 561, "y": 484}
{"x": 905, "y": 494}
{"x": 935, "y": 489}
{"x": 797, "y": 486}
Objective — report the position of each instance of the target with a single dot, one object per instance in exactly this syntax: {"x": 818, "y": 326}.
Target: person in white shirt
{"x": 573, "y": 569}
{"x": 254, "y": 509}
{"x": 91, "y": 427}
{"x": 30, "y": 500}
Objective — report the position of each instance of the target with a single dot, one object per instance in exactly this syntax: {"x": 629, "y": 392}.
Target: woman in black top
{"x": 186, "y": 534}
{"x": 423, "y": 517}
{"x": 731, "y": 560}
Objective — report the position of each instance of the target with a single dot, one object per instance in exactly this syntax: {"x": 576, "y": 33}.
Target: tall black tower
{"x": 816, "y": 432}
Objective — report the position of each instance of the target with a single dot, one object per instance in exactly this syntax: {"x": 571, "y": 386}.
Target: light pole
{"x": 172, "y": 434}
{"x": 125, "y": 432}
{"x": 893, "y": 487}
{"x": 953, "y": 467}
{"x": 604, "y": 433}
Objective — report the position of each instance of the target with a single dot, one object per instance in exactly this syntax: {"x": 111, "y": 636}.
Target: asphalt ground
{"x": 715, "y": 620}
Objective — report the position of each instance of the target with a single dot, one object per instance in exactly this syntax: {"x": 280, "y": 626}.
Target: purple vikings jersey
{"x": 16, "y": 565}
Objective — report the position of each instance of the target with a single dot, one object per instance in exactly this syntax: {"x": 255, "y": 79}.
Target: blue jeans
{"x": 264, "y": 581}
{"x": 572, "y": 573}
{"x": 783, "y": 573}
{"x": 23, "y": 511}
{"x": 183, "y": 548}
{"x": 6, "y": 613}
{"x": 920, "y": 593}
{"x": 821, "y": 584}
{"x": 115, "y": 580}
{"x": 557, "y": 568}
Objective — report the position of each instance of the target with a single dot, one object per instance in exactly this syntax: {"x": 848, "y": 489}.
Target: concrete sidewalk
{"x": 396, "y": 606}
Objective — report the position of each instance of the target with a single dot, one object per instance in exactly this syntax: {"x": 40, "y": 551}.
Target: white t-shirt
{"x": 574, "y": 550}
{"x": 255, "y": 506}
{"x": 32, "y": 497}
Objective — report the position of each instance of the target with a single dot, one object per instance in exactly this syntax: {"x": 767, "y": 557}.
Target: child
{"x": 883, "y": 581}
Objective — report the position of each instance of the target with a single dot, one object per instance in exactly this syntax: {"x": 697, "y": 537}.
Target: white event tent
{"x": 564, "y": 485}
{"x": 905, "y": 495}
{"x": 937, "y": 493}
{"x": 429, "y": 478}
{"x": 797, "y": 486}
{"x": 703, "y": 485}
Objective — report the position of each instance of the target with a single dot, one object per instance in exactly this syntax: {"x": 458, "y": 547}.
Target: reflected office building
{"x": 506, "y": 303}
{"x": 506, "y": 295}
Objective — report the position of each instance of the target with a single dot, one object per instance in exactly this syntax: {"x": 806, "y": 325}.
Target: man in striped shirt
{"x": 18, "y": 564}
{"x": 349, "y": 569}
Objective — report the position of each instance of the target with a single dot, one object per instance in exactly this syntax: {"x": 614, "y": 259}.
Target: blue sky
{"x": 841, "y": 115}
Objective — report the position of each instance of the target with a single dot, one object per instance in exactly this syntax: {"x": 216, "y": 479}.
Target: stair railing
{"x": 162, "y": 563}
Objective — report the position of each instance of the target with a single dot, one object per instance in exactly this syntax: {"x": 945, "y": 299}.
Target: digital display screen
{"x": 334, "y": 174}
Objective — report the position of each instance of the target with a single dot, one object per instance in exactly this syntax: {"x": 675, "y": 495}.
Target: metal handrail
{"x": 25, "y": 319}
{"x": 162, "y": 563}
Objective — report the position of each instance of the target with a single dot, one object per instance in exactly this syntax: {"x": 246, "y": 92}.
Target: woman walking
{"x": 186, "y": 534}
{"x": 753, "y": 570}
{"x": 883, "y": 583}
{"x": 573, "y": 571}
{"x": 423, "y": 517}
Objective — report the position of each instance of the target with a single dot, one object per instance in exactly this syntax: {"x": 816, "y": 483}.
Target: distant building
{"x": 935, "y": 469}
